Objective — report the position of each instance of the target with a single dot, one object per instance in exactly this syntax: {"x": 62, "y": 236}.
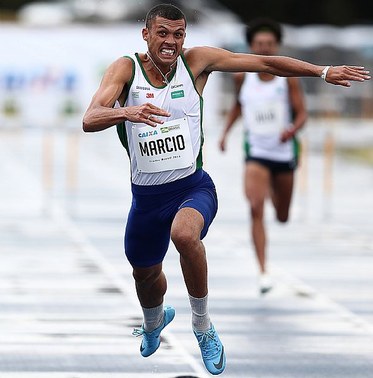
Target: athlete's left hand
{"x": 343, "y": 75}
{"x": 287, "y": 134}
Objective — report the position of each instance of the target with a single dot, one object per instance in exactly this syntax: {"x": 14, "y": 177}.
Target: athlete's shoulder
{"x": 200, "y": 58}
{"x": 122, "y": 64}
{"x": 193, "y": 53}
{"x": 123, "y": 61}
{"x": 121, "y": 69}
{"x": 195, "y": 50}
{"x": 201, "y": 52}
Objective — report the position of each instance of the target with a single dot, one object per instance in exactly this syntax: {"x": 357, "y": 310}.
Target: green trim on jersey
{"x": 199, "y": 162}
{"x": 122, "y": 134}
{"x": 146, "y": 76}
{"x": 297, "y": 149}
{"x": 121, "y": 127}
{"x": 246, "y": 145}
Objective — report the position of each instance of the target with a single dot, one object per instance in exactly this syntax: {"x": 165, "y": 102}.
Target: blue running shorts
{"x": 153, "y": 209}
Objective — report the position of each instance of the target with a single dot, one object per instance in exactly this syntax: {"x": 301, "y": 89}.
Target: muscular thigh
{"x": 257, "y": 183}
{"x": 147, "y": 237}
{"x": 198, "y": 208}
{"x": 282, "y": 190}
{"x": 149, "y": 222}
{"x": 187, "y": 224}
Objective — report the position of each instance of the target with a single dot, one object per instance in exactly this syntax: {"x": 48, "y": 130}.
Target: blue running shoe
{"x": 212, "y": 350}
{"x": 151, "y": 340}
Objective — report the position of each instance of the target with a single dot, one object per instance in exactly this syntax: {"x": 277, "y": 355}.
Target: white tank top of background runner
{"x": 266, "y": 112}
{"x": 183, "y": 102}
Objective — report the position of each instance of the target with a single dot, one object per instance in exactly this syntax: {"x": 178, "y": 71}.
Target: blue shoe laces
{"x": 209, "y": 344}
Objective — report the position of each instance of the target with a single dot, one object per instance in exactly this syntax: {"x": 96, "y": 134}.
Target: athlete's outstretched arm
{"x": 101, "y": 115}
{"x": 214, "y": 59}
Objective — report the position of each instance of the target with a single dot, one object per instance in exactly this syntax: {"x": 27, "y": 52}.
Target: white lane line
{"x": 301, "y": 288}
{"x": 61, "y": 218}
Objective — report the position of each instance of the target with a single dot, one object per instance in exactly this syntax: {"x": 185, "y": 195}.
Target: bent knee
{"x": 257, "y": 209}
{"x": 146, "y": 277}
{"x": 184, "y": 239}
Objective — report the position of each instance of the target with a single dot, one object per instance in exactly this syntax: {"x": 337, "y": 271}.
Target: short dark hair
{"x": 263, "y": 25}
{"x": 168, "y": 11}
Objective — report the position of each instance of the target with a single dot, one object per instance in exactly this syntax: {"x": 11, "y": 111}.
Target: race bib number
{"x": 164, "y": 147}
{"x": 266, "y": 118}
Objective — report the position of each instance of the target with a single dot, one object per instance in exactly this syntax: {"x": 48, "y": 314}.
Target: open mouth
{"x": 168, "y": 52}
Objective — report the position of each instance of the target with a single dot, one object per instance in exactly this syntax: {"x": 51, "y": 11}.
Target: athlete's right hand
{"x": 146, "y": 113}
{"x": 343, "y": 75}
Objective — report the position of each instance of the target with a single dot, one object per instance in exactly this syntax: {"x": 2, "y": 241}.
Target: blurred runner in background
{"x": 273, "y": 111}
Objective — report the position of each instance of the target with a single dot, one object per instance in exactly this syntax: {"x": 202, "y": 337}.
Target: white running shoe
{"x": 265, "y": 283}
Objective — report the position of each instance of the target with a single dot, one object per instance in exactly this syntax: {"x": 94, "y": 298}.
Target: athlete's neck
{"x": 165, "y": 71}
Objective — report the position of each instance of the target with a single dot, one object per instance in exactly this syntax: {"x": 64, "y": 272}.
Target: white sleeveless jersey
{"x": 173, "y": 150}
{"x": 266, "y": 113}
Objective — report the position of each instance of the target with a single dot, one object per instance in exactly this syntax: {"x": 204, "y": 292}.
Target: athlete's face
{"x": 264, "y": 43}
{"x": 165, "y": 39}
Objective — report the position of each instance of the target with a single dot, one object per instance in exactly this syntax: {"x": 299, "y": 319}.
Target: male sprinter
{"x": 155, "y": 99}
